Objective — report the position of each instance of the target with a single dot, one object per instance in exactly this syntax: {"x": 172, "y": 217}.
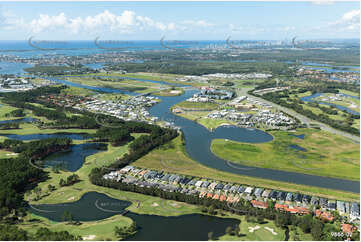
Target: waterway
{"x": 94, "y": 206}
{"x": 198, "y": 141}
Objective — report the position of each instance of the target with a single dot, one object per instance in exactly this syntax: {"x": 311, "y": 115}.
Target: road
{"x": 302, "y": 118}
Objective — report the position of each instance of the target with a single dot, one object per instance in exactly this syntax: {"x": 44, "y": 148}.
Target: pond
{"x": 94, "y": 206}
{"x": 300, "y": 136}
{"x": 297, "y": 147}
{"x": 74, "y": 158}
{"x": 20, "y": 120}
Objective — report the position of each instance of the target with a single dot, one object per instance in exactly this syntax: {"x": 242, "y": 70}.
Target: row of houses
{"x": 243, "y": 76}
{"x": 264, "y": 117}
{"x": 134, "y": 108}
{"x": 258, "y": 196}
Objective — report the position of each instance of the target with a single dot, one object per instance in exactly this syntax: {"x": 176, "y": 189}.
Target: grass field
{"x": 357, "y": 94}
{"x": 28, "y": 128}
{"x": 4, "y": 109}
{"x": 210, "y": 123}
{"x": 173, "y": 159}
{"x": 325, "y": 155}
{"x": 261, "y": 234}
{"x": 126, "y": 84}
{"x": 170, "y": 92}
{"x": 77, "y": 91}
{"x": 193, "y": 105}
{"x": 97, "y": 230}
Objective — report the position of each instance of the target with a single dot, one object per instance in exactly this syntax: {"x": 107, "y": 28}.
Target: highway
{"x": 302, "y": 118}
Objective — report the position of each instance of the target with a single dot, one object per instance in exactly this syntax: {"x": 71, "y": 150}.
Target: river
{"x": 198, "y": 141}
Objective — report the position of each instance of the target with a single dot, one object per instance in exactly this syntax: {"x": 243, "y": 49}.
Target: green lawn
{"x": 4, "y": 109}
{"x": 210, "y": 123}
{"x": 97, "y": 230}
{"x": 326, "y": 155}
{"x": 260, "y": 234}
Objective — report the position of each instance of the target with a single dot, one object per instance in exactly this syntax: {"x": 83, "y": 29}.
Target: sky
{"x": 179, "y": 20}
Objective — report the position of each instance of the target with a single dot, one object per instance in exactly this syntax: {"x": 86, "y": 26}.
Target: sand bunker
{"x": 270, "y": 230}
{"x": 89, "y": 237}
{"x": 252, "y": 229}
{"x": 155, "y": 205}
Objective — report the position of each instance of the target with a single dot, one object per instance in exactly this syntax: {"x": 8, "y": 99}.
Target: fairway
{"x": 320, "y": 153}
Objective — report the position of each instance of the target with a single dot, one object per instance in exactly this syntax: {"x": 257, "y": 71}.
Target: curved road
{"x": 302, "y": 118}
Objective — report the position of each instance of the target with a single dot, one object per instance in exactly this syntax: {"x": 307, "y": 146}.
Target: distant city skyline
{"x": 179, "y": 20}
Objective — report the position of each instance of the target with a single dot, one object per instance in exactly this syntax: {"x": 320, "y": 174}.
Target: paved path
{"x": 302, "y": 118}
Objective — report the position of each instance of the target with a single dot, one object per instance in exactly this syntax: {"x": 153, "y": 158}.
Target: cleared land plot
{"x": 325, "y": 154}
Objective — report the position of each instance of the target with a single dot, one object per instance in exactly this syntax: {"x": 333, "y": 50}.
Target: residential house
{"x": 259, "y": 204}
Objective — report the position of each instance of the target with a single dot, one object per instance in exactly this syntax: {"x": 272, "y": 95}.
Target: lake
{"x": 74, "y": 158}
{"x": 94, "y": 206}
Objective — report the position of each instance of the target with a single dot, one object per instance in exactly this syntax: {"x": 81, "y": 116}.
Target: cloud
{"x": 350, "y": 21}
{"x": 198, "y": 23}
{"x": 9, "y": 21}
{"x": 105, "y": 21}
{"x": 46, "y": 22}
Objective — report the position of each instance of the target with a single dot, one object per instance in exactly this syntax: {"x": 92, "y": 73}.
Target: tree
{"x": 316, "y": 229}
{"x": 62, "y": 182}
{"x": 37, "y": 191}
{"x": 51, "y": 188}
{"x": 237, "y": 231}
{"x": 210, "y": 235}
{"x": 229, "y": 230}
{"x": 260, "y": 218}
{"x": 67, "y": 216}
{"x": 12, "y": 233}
{"x": 306, "y": 223}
